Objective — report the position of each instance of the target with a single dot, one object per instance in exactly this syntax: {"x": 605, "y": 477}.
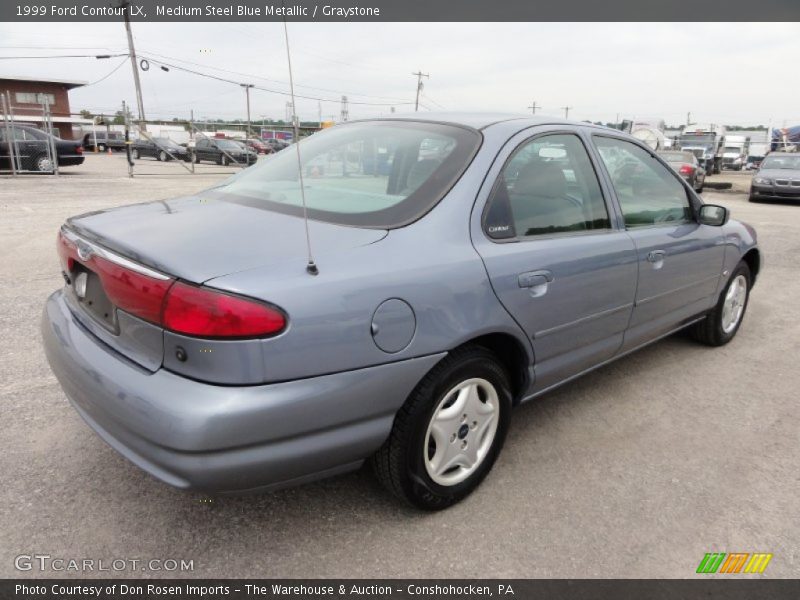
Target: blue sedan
{"x": 451, "y": 267}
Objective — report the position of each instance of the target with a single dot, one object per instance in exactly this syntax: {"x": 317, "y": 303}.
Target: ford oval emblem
{"x": 84, "y": 251}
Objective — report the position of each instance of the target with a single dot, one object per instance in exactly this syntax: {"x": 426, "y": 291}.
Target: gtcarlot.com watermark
{"x": 48, "y": 563}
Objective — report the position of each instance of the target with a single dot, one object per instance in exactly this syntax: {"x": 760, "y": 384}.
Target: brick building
{"x": 26, "y": 95}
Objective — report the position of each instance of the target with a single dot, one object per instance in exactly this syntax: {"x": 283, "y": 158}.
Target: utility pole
{"x": 345, "y": 112}
{"x": 533, "y": 107}
{"x": 566, "y": 111}
{"x": 419, "y": 75}
{"x": 247, "y": 87}
{"x": 688, "y": 119}
{"x": 125, "y": 5}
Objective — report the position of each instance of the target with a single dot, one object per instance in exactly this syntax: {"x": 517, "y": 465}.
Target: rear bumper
{"x": 225, "y": 439}
{"x": 70, "y": 160}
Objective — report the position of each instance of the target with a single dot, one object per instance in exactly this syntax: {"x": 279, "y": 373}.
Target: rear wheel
{"x": 42, "y": 163}
{"x": 449, "y": 432}
{"x": 162, "y": 156}
{"x": 223, "y": 160}
{"x": 721, "y": 324}
{"x": 135, "y": 154}
{"x": 101, "y": 147}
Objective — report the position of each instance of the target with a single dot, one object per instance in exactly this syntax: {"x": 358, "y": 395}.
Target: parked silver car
{"x": 456, "y": 266}
{"x": 778, "y": 176}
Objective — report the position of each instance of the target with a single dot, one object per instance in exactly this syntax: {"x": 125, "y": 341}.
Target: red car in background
{"x": 258, "y": 146}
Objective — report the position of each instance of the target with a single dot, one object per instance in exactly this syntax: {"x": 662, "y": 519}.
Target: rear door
{"x": 680, "y": 261}
{"x": 555, "y": 255}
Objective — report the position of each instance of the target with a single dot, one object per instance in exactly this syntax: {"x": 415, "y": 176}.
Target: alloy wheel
{"x": 733, "y": 306}
{"x": 461, "y": 431}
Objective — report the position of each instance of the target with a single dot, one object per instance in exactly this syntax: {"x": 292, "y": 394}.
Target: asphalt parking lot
{"x": 636, "y": 470}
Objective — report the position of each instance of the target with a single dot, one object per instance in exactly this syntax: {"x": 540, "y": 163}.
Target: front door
{"x": 680, "y": 261}
{"x": 556, "y": 260}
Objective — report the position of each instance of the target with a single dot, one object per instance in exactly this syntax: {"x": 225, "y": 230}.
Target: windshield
{"x": 781, "y": 162}
{"x": 372, "y": 174}
{"x": 167, "y": 143}
{"x": 227, "y": 145}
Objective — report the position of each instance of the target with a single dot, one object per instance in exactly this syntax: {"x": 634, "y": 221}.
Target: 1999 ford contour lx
{"x": 466, "y": 263}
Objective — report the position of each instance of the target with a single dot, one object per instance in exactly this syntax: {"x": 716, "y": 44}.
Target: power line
{"x": 264, "y": 89}
{"x": 251, "y": 76}
{"x": 114, "y": 70}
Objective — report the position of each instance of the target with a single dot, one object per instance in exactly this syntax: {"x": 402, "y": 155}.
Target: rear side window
{"x": 648, "y": 192}
{"x": 381, "y": 174}
{"x": 547, "y": 186}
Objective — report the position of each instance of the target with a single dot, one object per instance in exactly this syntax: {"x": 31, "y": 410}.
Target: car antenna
{"x": 311, "y": 267}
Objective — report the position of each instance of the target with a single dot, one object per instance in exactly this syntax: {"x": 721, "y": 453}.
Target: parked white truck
{"x": 734, "y": 152}
{"x": 755, "y": 155}
{"x": 706, "y": 143}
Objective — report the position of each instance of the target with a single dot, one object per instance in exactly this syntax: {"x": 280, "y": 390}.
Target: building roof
{"x": 67, "y": 83}
{"x": 53, "y": 118}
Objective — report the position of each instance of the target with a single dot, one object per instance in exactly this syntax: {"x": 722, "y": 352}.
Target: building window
{"x": 34, "y": 98}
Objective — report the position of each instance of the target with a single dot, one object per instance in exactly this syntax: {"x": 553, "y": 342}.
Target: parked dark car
{"x": 223, "y": 151}
{"x": 160, "y": 148}
{"x": 777, "y": 177}
{"x": 31, "y": 147}
{"x": 276, "y": 144}
{"x": 104, "y": 140}
{"x": 202, "y": 341}
{"x": 688, "y": 166}
{"x": 258, "y": 146}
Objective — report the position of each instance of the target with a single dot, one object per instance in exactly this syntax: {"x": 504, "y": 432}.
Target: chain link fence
{"x": 24, "y": 148}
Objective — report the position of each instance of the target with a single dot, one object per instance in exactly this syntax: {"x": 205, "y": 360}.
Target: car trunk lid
{"x": 198, "y": 238}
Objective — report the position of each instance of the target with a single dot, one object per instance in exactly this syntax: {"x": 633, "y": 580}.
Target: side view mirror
{"x": 714, "y": 215}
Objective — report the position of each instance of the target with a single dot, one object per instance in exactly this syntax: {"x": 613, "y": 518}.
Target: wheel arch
{"x": 753, "y": 260}
{"x": 512, "y": 355}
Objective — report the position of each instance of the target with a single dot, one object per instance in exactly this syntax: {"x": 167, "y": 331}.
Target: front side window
{"x": 547, "y": 186}
{"x": 380, "y": 174}
{"x": 649, "y": 194}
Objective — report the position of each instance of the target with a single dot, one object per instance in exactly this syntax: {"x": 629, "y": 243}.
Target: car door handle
{"x": 533, "y": 279}
{"x": 656, "y": 256}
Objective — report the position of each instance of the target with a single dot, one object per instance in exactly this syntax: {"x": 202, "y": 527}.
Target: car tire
{"x": 699, "y": 190}
{"x": 223, "y": 160}
{"x": 135, "y": 154}
{"x": 471, "y": 382}
{"x": 721, "y": 324}
{"x": 752, "y": 198}
{"x": 42, "y": 164}
{"x": 101, "y": 148}
{"x": 162, "y": 156}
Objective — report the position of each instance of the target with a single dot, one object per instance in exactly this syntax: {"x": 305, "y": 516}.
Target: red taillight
{"x": 203, "y": 312}
{"x": 65, "y": 253}
{"x": 137, "y": 294}
{"x": 79, "y": 150}
{"x": 174, "y": 305}
{"x": 687, "y": 170}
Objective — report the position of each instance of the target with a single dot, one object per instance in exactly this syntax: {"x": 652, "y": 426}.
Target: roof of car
{"x": 476, "y": 120}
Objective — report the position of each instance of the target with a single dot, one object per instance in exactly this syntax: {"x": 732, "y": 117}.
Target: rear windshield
{"x": 380, "y": 174}
{"x": 677, "y": 156}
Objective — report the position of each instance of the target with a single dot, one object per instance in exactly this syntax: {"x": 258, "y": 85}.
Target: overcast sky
{"x": 743, "y": 74}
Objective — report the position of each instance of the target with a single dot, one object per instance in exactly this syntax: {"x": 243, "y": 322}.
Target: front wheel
{"x": 722, "y": 323}
{"x": 448, "y": 434}
{"x": 162, "y": 156}
{"x": 135, "y": 154}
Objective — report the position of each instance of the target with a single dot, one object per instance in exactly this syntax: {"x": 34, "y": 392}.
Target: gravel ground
{"x": 636, "y": 470}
